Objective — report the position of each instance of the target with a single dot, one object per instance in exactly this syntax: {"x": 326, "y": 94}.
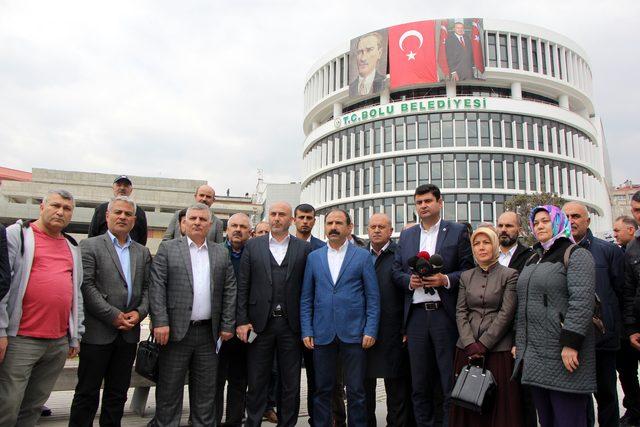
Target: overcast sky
{"x": 213, "y": 89}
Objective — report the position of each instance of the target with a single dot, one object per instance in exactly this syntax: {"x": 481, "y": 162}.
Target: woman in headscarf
{"x": 484, "y": 315}
{"x": 555, "y": 340}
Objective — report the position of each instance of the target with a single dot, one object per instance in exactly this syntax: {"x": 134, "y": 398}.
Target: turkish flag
{"x": 442, "y": 49}
{"x": 412, "y": 54}
{"x": 478, "y": 60}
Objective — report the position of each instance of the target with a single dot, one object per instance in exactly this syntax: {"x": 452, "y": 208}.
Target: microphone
{"x": 437, "y": 263}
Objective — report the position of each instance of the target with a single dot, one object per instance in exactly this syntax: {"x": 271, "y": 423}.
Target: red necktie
{"x": 462, "y": 41}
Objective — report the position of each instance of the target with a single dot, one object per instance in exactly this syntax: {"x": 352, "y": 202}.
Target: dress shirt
{"x": 335, "y": 259}
{"x": 200, "y": 269}
{"x": 366, "y": 83}
{"x": 428, "y": 240}
{"x": 377, "y": 254}
{"x": 125, "y": 261}
{"x": 279, "y": 249}
{"x": 505, "y": 258}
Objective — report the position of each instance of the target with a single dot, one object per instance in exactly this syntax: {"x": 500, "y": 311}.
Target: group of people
{"x": 551, "y": 322}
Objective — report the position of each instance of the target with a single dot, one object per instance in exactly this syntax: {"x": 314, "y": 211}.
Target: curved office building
{"x": 528, "y": 125}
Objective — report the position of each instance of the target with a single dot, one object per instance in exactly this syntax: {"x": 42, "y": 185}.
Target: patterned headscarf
{"x": 493, "y": 237}
{"x": 560, "y": 225}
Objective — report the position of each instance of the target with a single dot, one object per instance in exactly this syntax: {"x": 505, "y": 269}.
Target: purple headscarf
{"x": 560, "y": 225}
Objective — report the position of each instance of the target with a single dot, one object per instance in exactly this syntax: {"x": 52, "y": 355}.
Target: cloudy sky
{"x": 213, "y": 89}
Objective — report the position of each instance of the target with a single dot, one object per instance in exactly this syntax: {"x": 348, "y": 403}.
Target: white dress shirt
{"x": 505, "y": 258}
{"x": 335, "y": 259}
{"x": 428, "y": 239}
{"x": 279, "y": 249}
{"x": 200, "y": 269}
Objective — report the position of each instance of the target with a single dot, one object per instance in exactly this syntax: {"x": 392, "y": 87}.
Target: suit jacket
{"x": 5, "y": 270}
{"x": 459, "y": 58}
{"x": 255, "y": 288}
{"x": 317, "y": 243}
{"x": 386, "y": 358}
{"x": 379, "y": 83}
{"x": 98, "y": 224}
{"x": 104, "y": 289}
{"x": 454, "y": 247}
{"x": 486, "y": 307}
{"x": 215, "y": 233}
{"x": 349, "y": 308}
{"x": 171, "y": 288}
{"x": 520, "y": 257}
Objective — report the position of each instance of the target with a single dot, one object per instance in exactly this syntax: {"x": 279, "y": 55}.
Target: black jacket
{"x": 609, "y": 261}
{"x": 520, "y": 257}
{"x": 254, "y": 287}
{"x": 631, "y": 313}
{"x": 385, "y": 359}
{"x": 5, "y": 270}
{"x": 99, "y": 224}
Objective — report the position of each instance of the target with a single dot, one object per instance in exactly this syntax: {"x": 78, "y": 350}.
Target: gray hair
{"x": 628, "y": 221}
{"x": 199, "y": 207}
{"x": 62, "y": 193}
{"x": 121, "y": 199}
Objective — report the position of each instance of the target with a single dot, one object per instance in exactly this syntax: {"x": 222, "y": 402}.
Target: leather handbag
{"x": 475, "y": 388}
{"x": 147, "y": 359}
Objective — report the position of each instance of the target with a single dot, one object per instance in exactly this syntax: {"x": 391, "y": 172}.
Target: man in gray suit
{"x": 115, "y": 291}
{"x": 204, "y": 194}
{"x": 193, "y": 302}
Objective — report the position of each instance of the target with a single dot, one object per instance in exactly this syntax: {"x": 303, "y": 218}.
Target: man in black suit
{"x": 369, "y": 51}
{"x": 513, "y": 253}
{"x": 122, "y": 186}
{"x": 115, "y": 284}
{"x": 459, "y": 53}
{"x": 271, "y": 273}
{"x": 430, "y": 302}
{"x": 387, "y": 359}
{"x": 5, "y": 270}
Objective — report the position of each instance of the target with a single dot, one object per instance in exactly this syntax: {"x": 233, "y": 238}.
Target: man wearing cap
{"x": 207, "y": 195}
{"x": 122, "y": 186}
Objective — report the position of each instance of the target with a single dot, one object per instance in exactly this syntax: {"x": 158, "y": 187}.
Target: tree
{"x": 522, "y": 204}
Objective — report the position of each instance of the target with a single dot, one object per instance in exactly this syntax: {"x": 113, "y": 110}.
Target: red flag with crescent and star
{"x": 412, "y": 54}
{"x": 442, "y": 49}
{"x": 478, "y": 59}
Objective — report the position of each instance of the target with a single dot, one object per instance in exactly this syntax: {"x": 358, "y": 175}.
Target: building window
{"x": 525, "y": 53}
{"x": 461, "y": 171}
{"x": 504, "y": 61}
{"x": 543, "y": 51}
{"x": 534, "y": 54}
{"x": 474, "y": 171}
{"x": 447, "y": 130}
{"x": 399, "y": 166}
{"x": 436, "y": 170}
{"x": 459, "y": 127}
{"x": 411, "y": 133}
{"x": 515, "y": 61}
{"x": 448, "y": 171}
{"x": 486, "y": 171}
{"x": 434, "y": 130}
{"x": 411, "y": 173}
{"x": 492, "y": 52}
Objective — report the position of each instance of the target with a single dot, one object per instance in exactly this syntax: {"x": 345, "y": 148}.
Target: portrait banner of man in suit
{"x": 368, "y": 64}
{"x": 460, "y": 49}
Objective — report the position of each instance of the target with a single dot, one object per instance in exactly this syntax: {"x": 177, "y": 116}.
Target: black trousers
{"x": 627, "y": 366}
{"x": 276, "y": 337}
{"x": 432, "y": 337}
{"x": 398, "y": 392}
{"x": 232, "y": 369}
{"x": 607, "y": 394}
{"x": 111, "y": 363}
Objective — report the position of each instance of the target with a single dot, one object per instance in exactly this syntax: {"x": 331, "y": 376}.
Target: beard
{"x": 507, "y": 241}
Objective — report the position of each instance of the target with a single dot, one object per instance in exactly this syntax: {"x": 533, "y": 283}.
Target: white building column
{"x": 563, "y": 101}
{"x": 385, "y": 96}
{"x": 337, "y": 109}
{"x": 451, "y": 88}
{"x": 516, "y": 91}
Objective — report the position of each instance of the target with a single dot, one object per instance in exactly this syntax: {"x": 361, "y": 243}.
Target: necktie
{"x": 462, "y": 41}
{"x": 362, "y": 89}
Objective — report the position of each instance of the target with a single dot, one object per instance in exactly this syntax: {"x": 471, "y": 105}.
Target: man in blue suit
{"x": 430, "y": 303}
{"x": 339, "y": 315}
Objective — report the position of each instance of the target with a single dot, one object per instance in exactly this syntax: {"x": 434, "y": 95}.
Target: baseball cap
{"x": 123, "y": 178}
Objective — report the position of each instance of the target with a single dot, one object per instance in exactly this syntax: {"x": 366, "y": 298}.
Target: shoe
{"x": 45, "y": 411}
{"x": 270, "y": 415}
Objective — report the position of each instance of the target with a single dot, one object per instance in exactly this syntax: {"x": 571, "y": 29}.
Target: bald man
{"x": 387, "y": 359}
{"x": 609, "y": 261}
{"x": 271, "y": 273}
{"x": 204, "y": 194}
{"x": 513, "y": 253}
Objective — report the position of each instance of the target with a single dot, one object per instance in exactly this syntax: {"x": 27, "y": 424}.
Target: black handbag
{"x": 147, "y": 359}
{"x": 474, "y": 389}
